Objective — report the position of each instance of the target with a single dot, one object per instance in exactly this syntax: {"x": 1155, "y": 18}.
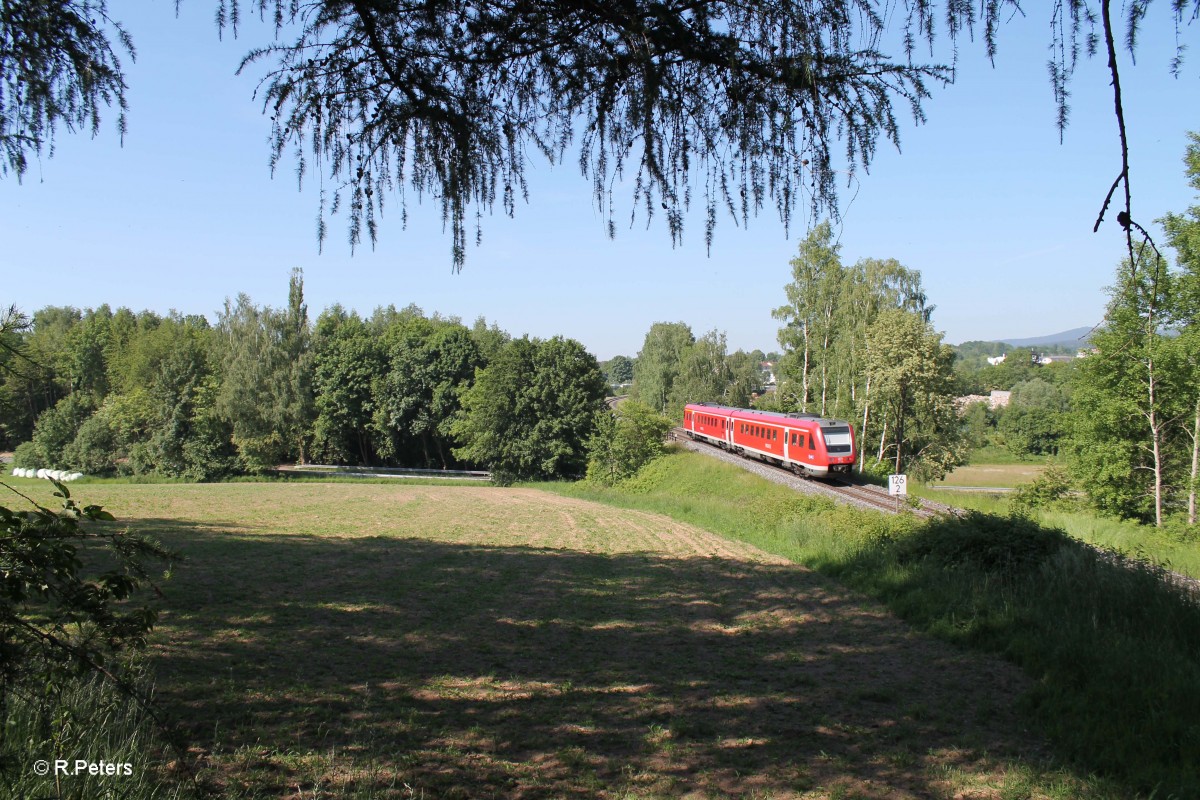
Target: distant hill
{"x": 1076, "y": 337}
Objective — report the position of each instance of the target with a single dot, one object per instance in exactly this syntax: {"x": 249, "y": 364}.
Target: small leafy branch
{"x": 65, "y": 589}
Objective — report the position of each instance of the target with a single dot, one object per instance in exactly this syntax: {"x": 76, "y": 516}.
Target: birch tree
{"x": 810, "y": 315}
{"x": 1183, "y": 234}
{"x": 912, "y": 375}
{"x": 1127, "y": 398}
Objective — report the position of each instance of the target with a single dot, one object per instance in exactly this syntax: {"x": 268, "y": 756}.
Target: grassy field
{"x": 991, "y": 475}
{"x": 1112, "y": 651}
{"x": 345, "y": 640}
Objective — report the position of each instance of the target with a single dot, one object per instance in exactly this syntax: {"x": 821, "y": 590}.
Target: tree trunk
{"x": 1195, "y": 467}
{"x": 804, "y": 375}
{"x": 899, "y": 433}
{"x": 862, "y": 434}
{"x": 1152, "y": 409}
{"x": 882, "y": 441}
{"x": 824, "y": 367}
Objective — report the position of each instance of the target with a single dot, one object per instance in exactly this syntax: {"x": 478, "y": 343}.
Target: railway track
{"x": 864, "y": 495}
{"x": 842, "y": 489}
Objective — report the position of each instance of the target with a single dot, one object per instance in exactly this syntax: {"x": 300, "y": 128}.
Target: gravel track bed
{"x": 1190, "y": 586}
{"x": 777, "y": 475}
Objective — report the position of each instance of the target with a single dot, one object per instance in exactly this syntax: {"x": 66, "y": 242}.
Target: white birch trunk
{"x": 1195, "y": 467}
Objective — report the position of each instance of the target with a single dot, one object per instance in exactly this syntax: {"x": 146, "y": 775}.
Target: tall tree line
{"x": 1136, "y": 437}
{"x": 858, "y": 344}
{"x": 123, "y": 393}
{"x": 674, "y": 368}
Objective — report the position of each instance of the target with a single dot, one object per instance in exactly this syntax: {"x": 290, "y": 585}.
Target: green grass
{"x": 1125, "y": 537}
{"x": 992, "y": 475}
{"x": 1001, "y": 455}
{"x": 398, "y": 641}
{"x": 1114, "y": 652}
{"x": 355, "y": 640}
{"x": 89, "y": 720}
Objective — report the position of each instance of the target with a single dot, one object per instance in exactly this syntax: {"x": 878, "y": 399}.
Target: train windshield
{"x": 837, "y": 439}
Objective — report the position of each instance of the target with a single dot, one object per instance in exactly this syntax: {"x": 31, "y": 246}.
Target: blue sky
{"x": 983, "y": 200}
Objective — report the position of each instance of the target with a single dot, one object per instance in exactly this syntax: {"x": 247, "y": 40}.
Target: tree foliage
{"x": 1136, "y": 438}
{"x": 58, "y": 66}
{"x": 65, "y": 587}
{"x": 736, "y": 107}
{"x": 658, "y": 363}
{"x": 431, "y": 363}
{"x": 625, "y": 440}
{"x": 347, "y": 359}
{"x": 174, "y": 396}
{"x": 265, "y": 391}
{"x": 618, "y": 370}
{"x": 912, "y": 380}
{"x": 531, "y": 412}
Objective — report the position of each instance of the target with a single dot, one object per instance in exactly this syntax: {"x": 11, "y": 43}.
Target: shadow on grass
{"x": 1114, "y": 642}
{"x": 519, "y": 672}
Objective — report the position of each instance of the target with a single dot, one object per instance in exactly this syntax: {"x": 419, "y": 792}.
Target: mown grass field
{"x": 991, "y": 475}
{"x": 349, "y": 640}
{"x": 1112, "y": 650}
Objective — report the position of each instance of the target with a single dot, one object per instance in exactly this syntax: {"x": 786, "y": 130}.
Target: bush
{"x": 95, "y": 449}
{"x": 57, "y": 427}
{"x": 1049, "y": 490}
{"x": 999, "y": 546}
{"x": 58, "y": 617}
{"x": 26, "y": 455}
{"x": 625, "y": 440}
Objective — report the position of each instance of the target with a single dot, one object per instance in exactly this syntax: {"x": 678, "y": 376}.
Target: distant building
{"x": 994, "y": 360}
{"x": 997, "y": 399}
{"x": 961, "y": 403}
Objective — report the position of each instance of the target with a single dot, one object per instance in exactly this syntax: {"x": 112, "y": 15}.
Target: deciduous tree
{"x": 531, "y": 412}
{"x": 625, "y": 440}
{"x": 913, "y": 379}
{"x": 748, "y": 105}
{"x": 659, "y": 362}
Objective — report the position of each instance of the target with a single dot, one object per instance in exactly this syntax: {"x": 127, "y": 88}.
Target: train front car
{"x": 837, "y": 440}
{"x": 807, "y": 444}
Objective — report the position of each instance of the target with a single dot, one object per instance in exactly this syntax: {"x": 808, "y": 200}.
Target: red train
{"x": 805, "y": 443}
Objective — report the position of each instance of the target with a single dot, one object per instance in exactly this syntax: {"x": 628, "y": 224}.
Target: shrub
{"x": 95, "y": 449}
{"x": 58, "y": 617}
{"x": 57, "y": 427}
{"x": 1048, "y": 490}
{"x": 26, "y": 455}
{"x": 999, "y": 546}
{"x": 625, "y": 440}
